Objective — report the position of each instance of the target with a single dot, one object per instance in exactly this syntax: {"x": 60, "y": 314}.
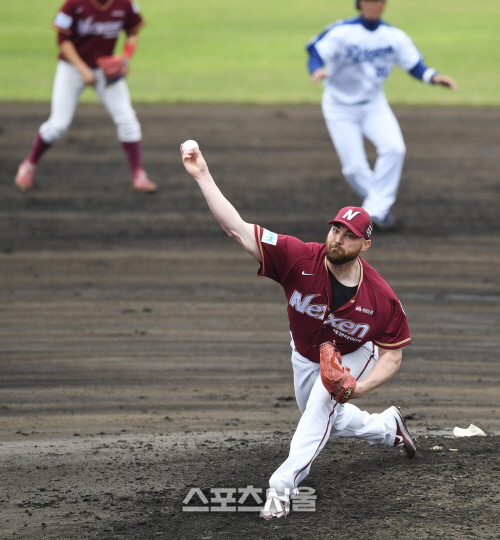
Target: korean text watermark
{"x": 246, "y": 499}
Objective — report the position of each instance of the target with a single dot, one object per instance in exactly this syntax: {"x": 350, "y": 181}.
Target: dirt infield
{"x": 144, "y": 368}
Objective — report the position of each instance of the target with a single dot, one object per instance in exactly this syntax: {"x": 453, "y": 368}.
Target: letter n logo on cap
{"x": 350, "y": 215}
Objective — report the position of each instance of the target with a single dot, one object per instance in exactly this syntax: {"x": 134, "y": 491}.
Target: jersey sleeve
{"x": 397, "y": 332}
{"x": 65, "y": 17}
{"x": 134, "y": 19}
{"x": 314, "y": 62}
{"x": 422, "y": 72}
{"x": 277, "y": 251}
{"x": 407, "y": 56}
{"x": 326, "y": 45}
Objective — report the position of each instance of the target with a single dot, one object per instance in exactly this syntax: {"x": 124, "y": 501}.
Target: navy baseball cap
{"x": 355, "y": 218}
{"x": 358, "y": 6}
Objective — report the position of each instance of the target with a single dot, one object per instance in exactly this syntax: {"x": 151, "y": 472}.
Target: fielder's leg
{"x": 381, "y": 127}
{"x": 116, "y": 98}
{"x": 68, "y": 86}
{"x": 344, "y": 125}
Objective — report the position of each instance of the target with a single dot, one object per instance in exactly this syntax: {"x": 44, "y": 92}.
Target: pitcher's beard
{"x": 337, "y": 255}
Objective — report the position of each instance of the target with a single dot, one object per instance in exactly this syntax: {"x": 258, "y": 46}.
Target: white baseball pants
{"x": 323, "y": 417}
{"x": 348, "y": 125}
{"x": 68, "y": 87}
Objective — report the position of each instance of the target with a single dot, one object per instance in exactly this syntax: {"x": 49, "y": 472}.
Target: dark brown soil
{"x": 142, "y": 358}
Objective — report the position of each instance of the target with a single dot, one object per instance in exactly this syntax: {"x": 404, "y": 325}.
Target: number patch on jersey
{"x": 382, "y": 72}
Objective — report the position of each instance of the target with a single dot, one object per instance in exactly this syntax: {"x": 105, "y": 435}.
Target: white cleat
{"x": 277, "y": 505}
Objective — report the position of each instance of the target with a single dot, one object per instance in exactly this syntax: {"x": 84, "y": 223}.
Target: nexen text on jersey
{"x": 345, "y": 327}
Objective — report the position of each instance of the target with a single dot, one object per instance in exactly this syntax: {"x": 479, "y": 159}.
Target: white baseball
{"x": 189, "y": 145}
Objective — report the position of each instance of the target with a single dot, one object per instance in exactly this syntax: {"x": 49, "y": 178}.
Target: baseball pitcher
{"x": 347, "y": 330}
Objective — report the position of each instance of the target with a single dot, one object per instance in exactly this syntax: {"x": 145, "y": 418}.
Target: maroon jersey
{"x": 94, "y": 27}
{"x": 373, "y": 314}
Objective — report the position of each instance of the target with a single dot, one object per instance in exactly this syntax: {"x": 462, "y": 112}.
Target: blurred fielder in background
{"x": 87, "y": 31}
{"x": 354, "y": 57}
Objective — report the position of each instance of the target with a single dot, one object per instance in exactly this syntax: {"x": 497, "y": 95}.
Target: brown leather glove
{"x": 115, "y": 67}
{"x": 336, "y": 378}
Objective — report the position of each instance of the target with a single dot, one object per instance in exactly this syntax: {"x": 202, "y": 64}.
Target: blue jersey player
{"x": 353, "y": 58}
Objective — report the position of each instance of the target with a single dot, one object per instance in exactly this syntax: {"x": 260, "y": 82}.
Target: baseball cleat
{"x": 403, "y": 437}
{"x": 25, "y": 175}
{"x": 142, "y": 184}
{"x": 277, "y": 505}
{"x": 387, "y": 224}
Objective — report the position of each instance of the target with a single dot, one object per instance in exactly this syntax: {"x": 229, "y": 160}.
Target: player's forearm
{"x": 431, "y": 76}
{"x": 70, "y": 53}
{"x": 130, "y": 45}
{"x": 385, "y": 367}
{"x": 223, "y": 211}
{"x": 227, "y": 215}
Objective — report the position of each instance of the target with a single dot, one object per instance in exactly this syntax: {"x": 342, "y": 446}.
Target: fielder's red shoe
{"x": 25, "y": 176}
{"x": 403, "y": 437}
{"x": 141, "y": 182}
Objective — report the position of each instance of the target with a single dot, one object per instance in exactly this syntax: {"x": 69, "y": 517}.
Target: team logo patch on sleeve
{"x": 269, "y": 237}
{"x": 63, "y": 21}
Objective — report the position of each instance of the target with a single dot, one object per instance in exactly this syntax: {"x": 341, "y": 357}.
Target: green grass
{"x": 234, "y": 51}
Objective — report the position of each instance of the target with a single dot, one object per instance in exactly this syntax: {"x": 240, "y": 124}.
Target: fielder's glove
{"x": 336, "y": 378}
{"x": 115, "y": 67}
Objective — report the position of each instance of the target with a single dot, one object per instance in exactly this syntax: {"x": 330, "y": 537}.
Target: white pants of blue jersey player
{"x": 374, "y": 119}
{"x": 323, "y": 418}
